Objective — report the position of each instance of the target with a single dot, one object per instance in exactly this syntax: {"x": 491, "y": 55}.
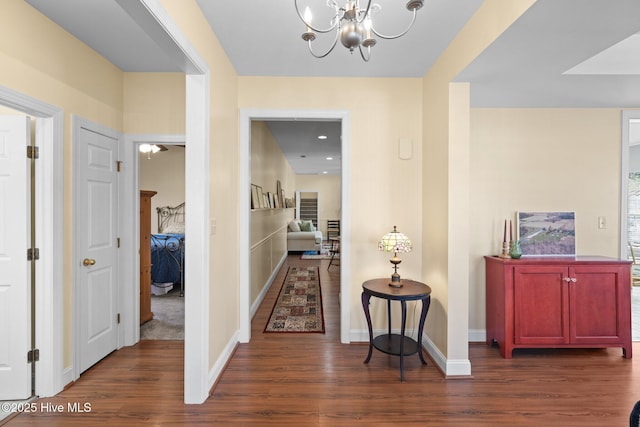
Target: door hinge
{"x": 33, "y": 355}
{"x": 33, "y": 152}
{"x": 118, "y": 318}
{"x": 118, "y": 165}
{"x": 33, "y": 254}
{"x": 118, "y": 241}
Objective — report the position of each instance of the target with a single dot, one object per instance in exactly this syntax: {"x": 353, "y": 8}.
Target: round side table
{"x": 396, "y": 344}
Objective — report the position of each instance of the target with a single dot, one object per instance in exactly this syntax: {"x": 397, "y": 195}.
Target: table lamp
{"x": 395, "y": 242}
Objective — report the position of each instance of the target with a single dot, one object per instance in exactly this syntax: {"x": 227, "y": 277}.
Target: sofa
{"x": 302, "y": 236}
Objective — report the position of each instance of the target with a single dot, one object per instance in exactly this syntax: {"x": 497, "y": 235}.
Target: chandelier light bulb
{"x": 307, "y": 17}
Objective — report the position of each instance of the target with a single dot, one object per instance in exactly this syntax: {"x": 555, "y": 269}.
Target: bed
{"x": 167, "y": 250}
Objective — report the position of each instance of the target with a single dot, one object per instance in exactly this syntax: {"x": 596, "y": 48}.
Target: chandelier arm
{"x": 365, "y": 58}
{"x": 366, "y": 12}
{"x": 318, "y": 30}
{"x": 335, "y": 41}
{"x": 382, "y": 36}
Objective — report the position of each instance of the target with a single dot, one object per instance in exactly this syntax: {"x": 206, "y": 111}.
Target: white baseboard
{"x": 450, "y": 367}
{"x": 477, "y": 335}
{"x": 67, "y": 376}
{"x": 221, "y": 362}
{"x": 265, "y": 288}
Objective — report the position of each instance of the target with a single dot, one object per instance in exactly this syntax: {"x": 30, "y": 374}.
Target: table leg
{"x": 423, "y": 315}
{"x": 389, "y": 316}
{"x": 365, "y": 305}
{"x": 402, "y": 329}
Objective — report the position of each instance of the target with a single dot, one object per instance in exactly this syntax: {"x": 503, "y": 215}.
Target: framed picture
{"x": 260, "y": 198}
{"x": 547, "y": 233}
{"x": 279, "y": 194}
{"x": 255, "y": 202}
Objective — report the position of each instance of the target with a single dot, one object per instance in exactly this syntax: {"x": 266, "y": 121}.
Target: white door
{"x": 96, "y": 228}
{"x": 15, "y": 274}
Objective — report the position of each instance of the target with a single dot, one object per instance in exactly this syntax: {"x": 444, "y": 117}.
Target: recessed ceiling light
{"x": 303, "y": 155}
{"x": 322, "y": 136}
{"x": 325, "y": 172}
{"x": 329, "y": 158}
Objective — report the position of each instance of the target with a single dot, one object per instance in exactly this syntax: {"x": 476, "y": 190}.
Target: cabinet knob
{"x": 566, "y": 279}
{"x": 574, "y": 280}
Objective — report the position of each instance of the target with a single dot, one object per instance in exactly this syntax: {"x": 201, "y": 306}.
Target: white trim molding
{"x": 159, "y": 25}
{"x": 49, "y": 237}
{"x": 129, "y": 227}
{"x": 246, "y": 116}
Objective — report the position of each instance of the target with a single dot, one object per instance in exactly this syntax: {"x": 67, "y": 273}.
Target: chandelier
{"x": 352, "y": 25}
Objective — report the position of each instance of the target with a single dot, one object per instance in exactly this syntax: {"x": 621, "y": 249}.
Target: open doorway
{"x": 161, "y": 171}
{"x": 630, "y": 209}
{"x": 246, "y": 118}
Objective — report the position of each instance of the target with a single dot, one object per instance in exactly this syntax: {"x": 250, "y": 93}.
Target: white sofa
{"x": 299, "y": 240}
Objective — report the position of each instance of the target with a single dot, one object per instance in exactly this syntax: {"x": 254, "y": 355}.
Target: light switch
{"x": 602, "y": 222}
{"x": 405, "y": 148}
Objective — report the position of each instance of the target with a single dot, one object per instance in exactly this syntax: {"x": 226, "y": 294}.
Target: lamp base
{"x": 395, "y": 281}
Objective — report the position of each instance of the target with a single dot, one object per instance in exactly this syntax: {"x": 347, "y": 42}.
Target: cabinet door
{"x": 541, "y": 305}
{"x": 596, "y": 300}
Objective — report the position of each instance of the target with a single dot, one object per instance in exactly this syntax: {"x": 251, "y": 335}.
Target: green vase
{"x": 515, "y": 251}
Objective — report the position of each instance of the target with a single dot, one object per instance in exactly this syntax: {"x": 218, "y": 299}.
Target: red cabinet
{"x": 558, "y": 302}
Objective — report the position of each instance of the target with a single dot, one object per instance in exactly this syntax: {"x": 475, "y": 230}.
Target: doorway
{"x": 49, "y": 226}
{"x": 630, "y": 208}
{"x": 246, "y": 117}
{"x": 161, "y": 172}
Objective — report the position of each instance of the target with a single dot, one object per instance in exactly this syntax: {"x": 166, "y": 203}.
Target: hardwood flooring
{"x": 312, "y": 379}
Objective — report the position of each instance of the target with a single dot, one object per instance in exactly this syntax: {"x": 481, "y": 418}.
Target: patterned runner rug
{"x": 299, "y": 305}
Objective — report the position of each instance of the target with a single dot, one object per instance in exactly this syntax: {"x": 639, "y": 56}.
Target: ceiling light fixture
{"x": 322, "y": 136}
{"x": 353, "y": 25}
{"x": 148, "y": 149}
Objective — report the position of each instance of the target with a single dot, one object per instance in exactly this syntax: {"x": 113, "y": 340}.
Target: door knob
{"x": 88, "y": 261}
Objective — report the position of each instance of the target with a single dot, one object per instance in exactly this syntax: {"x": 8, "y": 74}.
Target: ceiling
{"x": 559, "y": 53}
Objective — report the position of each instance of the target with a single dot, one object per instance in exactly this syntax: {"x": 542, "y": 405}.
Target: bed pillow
{"x": 174, "y": 229}
{"x": 294, "y": 226}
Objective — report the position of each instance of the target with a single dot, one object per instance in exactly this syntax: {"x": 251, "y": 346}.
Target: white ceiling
{"x": 304, "y": 151}
{"x": 263, "y": 38}
{"x": 560, "y": 53}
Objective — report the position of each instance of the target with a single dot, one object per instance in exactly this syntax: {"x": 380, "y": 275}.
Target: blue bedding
{"x": 167, "y": 258}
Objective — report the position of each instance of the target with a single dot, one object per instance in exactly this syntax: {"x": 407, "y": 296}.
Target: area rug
{"x": 168, "y": 318}
{"x": 299, "y": 304}
{"x": 316, "y": 255}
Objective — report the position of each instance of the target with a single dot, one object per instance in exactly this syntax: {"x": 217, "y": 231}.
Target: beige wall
{"x": 328, "y": 187}
{"x": 268, "y": 164}
{"x": 268, "y": 226}
{"x": 154, "y": 103}
{"x": 444, "y": 107}
{"x": 383, "y": 187}
{"x": 542, "y": 160}
{"x": 223, "y": 178}
{"x": 163, "y": 173}
{"x": 41, "y": 60}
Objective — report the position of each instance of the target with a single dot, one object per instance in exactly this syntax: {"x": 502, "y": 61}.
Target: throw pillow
{"x": 306, "y": 226}
{"x": 294, "y": 226}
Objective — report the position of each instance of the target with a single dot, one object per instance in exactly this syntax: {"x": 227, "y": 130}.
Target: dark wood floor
{"x": 312, "y": 379}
